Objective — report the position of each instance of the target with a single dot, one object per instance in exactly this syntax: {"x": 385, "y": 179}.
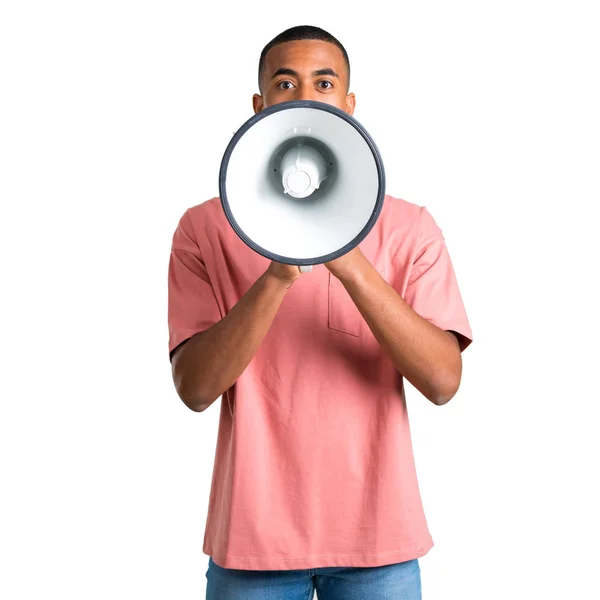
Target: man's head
{"x": 304, "y": 63}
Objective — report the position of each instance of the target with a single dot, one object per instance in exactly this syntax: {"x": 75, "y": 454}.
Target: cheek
{"x": 275, "y": 93}
{"x": 338, "y": 100}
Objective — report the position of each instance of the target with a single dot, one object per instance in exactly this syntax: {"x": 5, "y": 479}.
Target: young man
{"x": 314, "y": 483}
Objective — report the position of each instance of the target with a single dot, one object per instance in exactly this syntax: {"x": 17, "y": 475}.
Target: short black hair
{"x": 301, "y": 32}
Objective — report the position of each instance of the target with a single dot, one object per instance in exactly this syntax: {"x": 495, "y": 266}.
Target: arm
{"x": 210, "y": 362}
{"x": 427, "y": 356}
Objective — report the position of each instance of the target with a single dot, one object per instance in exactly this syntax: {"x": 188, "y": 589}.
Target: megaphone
{"x": 302, "y": 183}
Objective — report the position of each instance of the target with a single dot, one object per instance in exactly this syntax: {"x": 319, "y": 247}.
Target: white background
{"x": 114, "y": 117}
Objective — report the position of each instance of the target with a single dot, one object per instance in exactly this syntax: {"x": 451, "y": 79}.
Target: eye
{"x": 281, "y": 83}
{"x": 329, "y": 84}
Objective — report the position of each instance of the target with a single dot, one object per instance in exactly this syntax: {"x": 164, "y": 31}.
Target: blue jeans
{"x": 399, "y": 581}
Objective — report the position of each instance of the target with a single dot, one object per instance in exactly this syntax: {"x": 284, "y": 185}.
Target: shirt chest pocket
{"x": 343, "y": 315}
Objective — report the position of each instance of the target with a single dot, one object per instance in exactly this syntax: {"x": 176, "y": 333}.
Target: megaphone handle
{"x": 305, "y": 268}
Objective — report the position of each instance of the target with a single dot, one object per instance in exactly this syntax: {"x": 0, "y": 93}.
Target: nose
{"x": 307, "y": 92}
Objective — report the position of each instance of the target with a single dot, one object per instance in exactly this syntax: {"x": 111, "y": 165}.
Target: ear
{"x": 350, "y": 104}
{"x": 257, "y": 103}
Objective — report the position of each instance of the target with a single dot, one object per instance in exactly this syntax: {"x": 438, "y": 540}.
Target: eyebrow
{"x": 284, "y": 71}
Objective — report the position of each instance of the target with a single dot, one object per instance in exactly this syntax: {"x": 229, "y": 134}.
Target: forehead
{"x": 305, "y": 55}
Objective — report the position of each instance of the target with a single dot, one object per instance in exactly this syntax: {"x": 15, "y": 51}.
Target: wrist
{"x": 278, "y": 280}
{"x": 351, "y": 270}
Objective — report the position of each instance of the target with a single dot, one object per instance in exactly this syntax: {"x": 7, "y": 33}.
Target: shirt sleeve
{"x": 432, "y": 290}
{"x": 192, "y": 305}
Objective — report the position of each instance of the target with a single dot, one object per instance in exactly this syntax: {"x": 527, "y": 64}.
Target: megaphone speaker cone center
{"x": 298, "y": 183}
{"x": 303, "y": 170}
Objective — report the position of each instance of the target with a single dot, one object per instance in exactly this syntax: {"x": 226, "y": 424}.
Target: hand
{"x": 285, "y": 273}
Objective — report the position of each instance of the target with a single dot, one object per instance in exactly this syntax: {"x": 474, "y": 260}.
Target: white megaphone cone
{"x": 302, "y": 183}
